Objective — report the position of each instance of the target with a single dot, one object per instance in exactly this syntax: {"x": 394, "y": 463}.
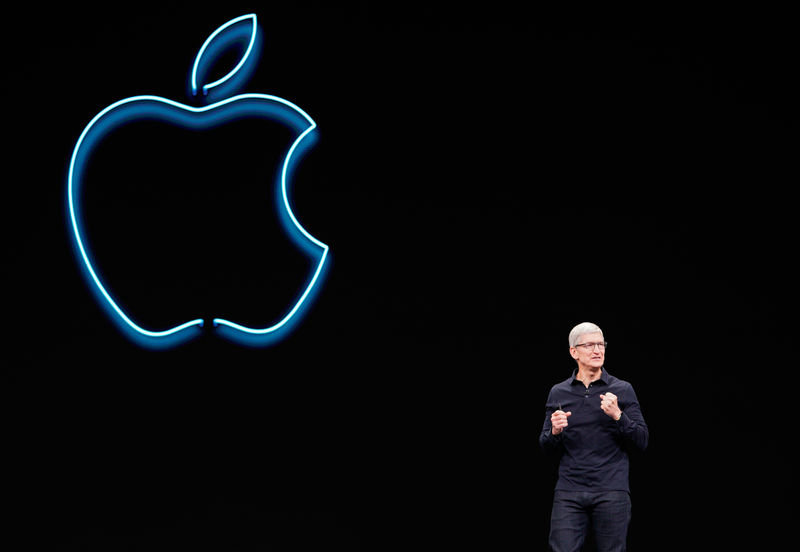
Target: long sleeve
{"x": 631, "y": 425}
{"x": 550, "y": 443}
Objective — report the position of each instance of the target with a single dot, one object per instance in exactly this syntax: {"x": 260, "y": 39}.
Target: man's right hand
{"x": 559, "y": 421}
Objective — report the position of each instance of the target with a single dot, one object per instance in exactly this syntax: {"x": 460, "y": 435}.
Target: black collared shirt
{"x": 593, "y": 447}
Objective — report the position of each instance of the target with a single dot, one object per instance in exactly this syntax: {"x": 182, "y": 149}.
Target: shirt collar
{"x": 604, "y": 376}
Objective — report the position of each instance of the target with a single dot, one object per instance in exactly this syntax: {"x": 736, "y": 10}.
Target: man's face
{"x": 589, "y": 356}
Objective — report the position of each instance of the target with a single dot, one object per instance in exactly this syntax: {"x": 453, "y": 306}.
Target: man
{"x": 592, "y": 419}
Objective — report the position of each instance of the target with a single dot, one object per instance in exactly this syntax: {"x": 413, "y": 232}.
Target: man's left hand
{"x": 608, "y": 402}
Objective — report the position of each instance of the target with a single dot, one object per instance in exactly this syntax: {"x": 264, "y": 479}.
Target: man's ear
{"x": 573, "y": 352}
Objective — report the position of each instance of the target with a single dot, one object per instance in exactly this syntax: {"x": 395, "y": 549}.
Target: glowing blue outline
{"x": 210, "y": 39}
{"x": 247, "y": 335}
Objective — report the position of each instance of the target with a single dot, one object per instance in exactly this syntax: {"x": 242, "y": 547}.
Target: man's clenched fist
{"x": 608, "y": 403}
{"x": 559, "y": 421}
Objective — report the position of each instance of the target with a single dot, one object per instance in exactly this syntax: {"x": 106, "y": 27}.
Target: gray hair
{"x": 582, "y": 329}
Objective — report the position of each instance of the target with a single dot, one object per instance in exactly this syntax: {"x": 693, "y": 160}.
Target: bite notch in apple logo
{"x": 223, "y": 108}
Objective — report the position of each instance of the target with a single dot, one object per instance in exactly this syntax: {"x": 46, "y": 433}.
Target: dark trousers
{"x": 574, "y": 512}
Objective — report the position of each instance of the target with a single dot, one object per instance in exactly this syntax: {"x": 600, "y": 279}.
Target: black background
{"x": 486, "y": 177}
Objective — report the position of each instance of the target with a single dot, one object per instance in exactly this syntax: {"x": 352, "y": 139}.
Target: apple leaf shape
{"x": 216, "y": 43}
{"x": 151, "y": 107}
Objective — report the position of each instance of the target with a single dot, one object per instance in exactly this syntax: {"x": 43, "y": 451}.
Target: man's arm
{"x": 555, "y": 421}
{"x": 631, "y": 422}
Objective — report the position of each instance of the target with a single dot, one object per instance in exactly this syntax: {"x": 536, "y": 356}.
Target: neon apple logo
{"x": 225, "y": 108}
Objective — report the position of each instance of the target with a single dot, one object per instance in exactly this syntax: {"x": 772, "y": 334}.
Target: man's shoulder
{"x": 619, "y": 383}
{"x": 562, "y": 385}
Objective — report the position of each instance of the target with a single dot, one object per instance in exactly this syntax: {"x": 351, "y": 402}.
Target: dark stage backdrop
{"x": 486, "y": 178}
